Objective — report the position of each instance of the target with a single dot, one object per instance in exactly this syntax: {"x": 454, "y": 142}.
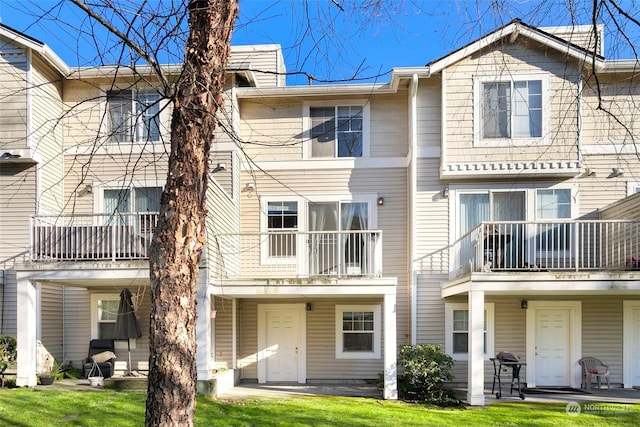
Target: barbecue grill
{"x": 502, "y": 363}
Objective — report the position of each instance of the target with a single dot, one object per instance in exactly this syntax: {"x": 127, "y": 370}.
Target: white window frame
{"x": 377, "y": 332}
{"x": 98, "y": 202}
{"x": 449, "y": 308}
{"x": 366, "y": 129}
{"x": 479, "y": 140}
{"x": 95, "y": 316}
{"x": 264, "y": 228}
{"x": 164, "y": 119}
{"x": 633, "y": 187}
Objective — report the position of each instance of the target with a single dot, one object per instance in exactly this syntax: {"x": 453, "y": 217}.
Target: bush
{"x": 425, "y": 369}
{"x": 8, "y": 352}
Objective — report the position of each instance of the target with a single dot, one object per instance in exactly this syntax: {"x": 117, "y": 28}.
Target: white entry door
{"x": 631, "y": 344}
{"x": 552, "y": 347}
{"x": 281, "y": 352}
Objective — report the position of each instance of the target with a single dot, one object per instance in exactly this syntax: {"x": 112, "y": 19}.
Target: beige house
{"x": 475, "y": 202}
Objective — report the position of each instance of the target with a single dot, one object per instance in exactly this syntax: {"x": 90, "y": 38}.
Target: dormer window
{"x": 510, "y": 110}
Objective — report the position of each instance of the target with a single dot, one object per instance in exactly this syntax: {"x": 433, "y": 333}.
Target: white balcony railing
{"x": 300, "y": 254}
{"x": 548, "y": 246}
{"x": 92, "y": 237}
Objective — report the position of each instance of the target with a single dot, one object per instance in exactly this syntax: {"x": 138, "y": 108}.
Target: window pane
{"x": 323, "y": 132}
{"x": 117, "y": 201}
{"x": 106, "y": 331}
{"x": 461, "y": 320}
{"x": 357, "y": 341}
{"x": 148, "y": 117}
{"x": 148, "y": 199}
{"x": 282, "y": 216}
{"x": 119, "y": 107}
{"x": 460, "y": 342}
{"x": 350, "y": 131}
{"x": 496, "y": 108}
{"x": 474, "y": 208}
{"x": 107, "y": 310}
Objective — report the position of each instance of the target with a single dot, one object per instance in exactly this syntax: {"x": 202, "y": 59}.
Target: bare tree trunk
{"x": 180, "y": 234}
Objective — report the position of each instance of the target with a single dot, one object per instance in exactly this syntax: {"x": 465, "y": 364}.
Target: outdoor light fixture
{"x": 445, "y": 193}
{"x": 617, "y": 171}
{"x": 309, "y": 306}
{"x": 524, "y": 304}
{"x": 380, "y": 201}
{"x": 251, "y": 186}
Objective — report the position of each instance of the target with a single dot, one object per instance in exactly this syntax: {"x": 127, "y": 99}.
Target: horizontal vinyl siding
{"x": 46, "y": 138}
{"x": 13, "y": 94}
{"x": 602, "y": 333}
{"x": 9, "y": 313}
{"x": 392, "y": 217}
{"x": 263, "y": 64}
{"x": 321, "y": 361}
{"x": 601, "y": 189}
{"x": 51, "y": 321}
{"x": 17, "y": 204}
{"x": 273, "y": 129}
{"x": 77, "y": 324}
{"x": 432, "y": 219}
{"x": 610, "y": 110}
{"x": 112, "y": 171}
{"x": 627, "y": 209}
{"x": 430, "y": 309}
{"x": 509, "y": 60}
{"x": 429, "y": 112}
{"x": 223, "y": 333}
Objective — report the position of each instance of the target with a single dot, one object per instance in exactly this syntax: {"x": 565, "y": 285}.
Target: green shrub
{"x": 8, "y": 352}
{"x": 425, "y": 369}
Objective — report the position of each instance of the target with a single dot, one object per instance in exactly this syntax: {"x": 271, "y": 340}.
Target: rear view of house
{"x": 483, "y": 202}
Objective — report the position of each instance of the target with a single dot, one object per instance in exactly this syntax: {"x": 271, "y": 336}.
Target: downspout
{"x": 413, "y": 184}
{"x": 579, "y": 102}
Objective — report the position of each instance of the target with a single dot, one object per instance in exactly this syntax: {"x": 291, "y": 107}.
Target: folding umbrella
{"x": 127, "y": 325}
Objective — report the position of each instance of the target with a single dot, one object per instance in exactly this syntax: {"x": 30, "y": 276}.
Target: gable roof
{"x": 30, "y": 43}
{"x": 513, "y": 30}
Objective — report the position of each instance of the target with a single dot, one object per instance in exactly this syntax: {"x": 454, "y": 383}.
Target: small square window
{"x": 358, "y": 332}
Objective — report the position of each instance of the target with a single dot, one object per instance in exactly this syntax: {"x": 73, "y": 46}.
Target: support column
{"x": 26, "y": 300}
{"x": 390, "y": 348}
{"x": 475, "y": 380}
{"x": 203, "y": 330}
{"x": 234, "y": 336}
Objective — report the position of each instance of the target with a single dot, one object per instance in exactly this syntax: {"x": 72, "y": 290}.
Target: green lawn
{"x": 20, "y": 407}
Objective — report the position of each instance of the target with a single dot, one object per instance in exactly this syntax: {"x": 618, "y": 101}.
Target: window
{"x": 139, "y": 199}
{"x": 457, "y": 330}
{"x": 358, "y": 331}
{"x": 510, "y": 109}
{"x": 282, "y": 221}
{"x": 338, "y": 131}
{"x": 133, "y": 116}
{"x": 553, "y": 204}
{"x": 104, "y": 312}
{"x": 107, "y": 314}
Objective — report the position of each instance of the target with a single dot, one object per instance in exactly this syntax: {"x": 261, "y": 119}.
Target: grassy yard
{"x": 20, "y": 407}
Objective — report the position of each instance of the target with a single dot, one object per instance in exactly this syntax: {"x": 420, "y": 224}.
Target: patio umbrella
{"x": 127, "y": 325}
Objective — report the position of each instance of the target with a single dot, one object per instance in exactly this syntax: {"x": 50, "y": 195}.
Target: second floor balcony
{"x": 569, "y": 246}
{"x": 271, "y": 255}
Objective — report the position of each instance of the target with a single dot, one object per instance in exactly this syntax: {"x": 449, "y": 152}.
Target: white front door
{"x": 552, "y": 347}
{"x": 631, "y": 344}
{"x": 281, "y": 350}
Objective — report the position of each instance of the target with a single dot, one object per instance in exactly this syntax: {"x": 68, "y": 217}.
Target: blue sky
{"x": 326, "y": 42}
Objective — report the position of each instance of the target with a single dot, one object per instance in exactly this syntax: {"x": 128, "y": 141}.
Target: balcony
{"x": 572, "y": 246}
{"x": 286, "y": 255}
{"x": 123, "y": 236}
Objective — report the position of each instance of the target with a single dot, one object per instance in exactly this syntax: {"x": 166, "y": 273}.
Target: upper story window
{"x": 134, "y": 116}
{"x": 282, "y": 223}
{"x": 511, "y": 109}
{"x": 138, "y": 199}
{"x": 338, "y": 131}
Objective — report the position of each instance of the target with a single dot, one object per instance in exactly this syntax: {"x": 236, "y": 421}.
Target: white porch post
{"x": 390, "y": 344}
{"x": 475, "y": 380}
{"x": 234, "y": 338}
{"x": 203, "y": 330}
{"x": 26, "y": 301}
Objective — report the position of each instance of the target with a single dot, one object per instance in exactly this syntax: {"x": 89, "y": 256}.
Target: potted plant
{"x": 49, "y": 367}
